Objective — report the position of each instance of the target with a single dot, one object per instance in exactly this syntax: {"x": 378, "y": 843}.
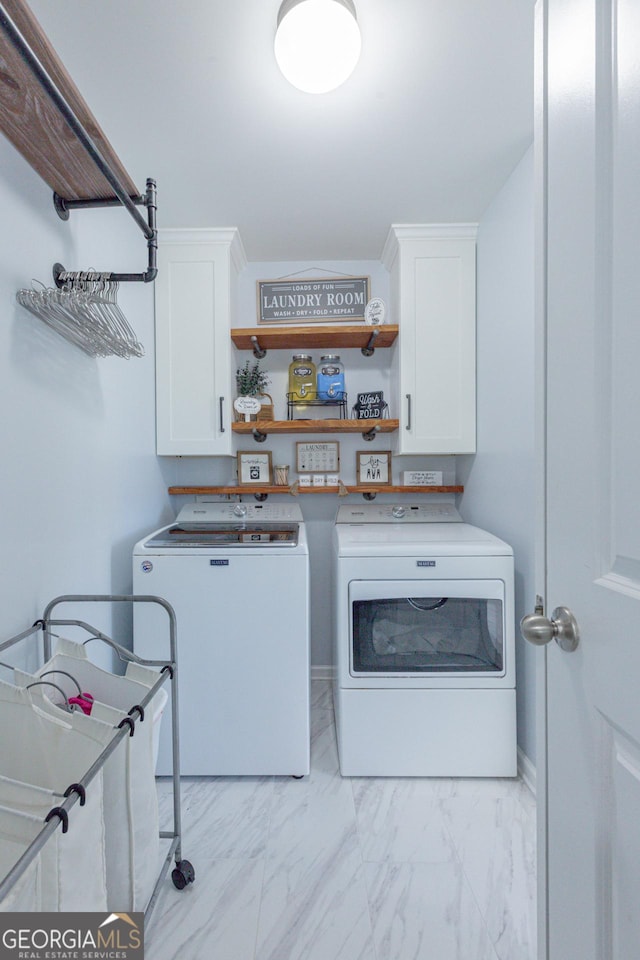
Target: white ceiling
{"x": 427, "y": 129}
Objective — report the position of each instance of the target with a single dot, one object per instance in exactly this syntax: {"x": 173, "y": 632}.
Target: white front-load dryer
{"x": 424, "y": 644}
{"x": 237, "y": 576}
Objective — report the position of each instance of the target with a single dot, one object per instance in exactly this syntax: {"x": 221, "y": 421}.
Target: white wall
{"x": 499, "y": 480}
{"x": 79, "y": 479}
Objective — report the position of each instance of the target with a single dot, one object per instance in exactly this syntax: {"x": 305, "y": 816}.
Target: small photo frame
{"x": 373, "y": 467}
{"x": 254, "y": 469}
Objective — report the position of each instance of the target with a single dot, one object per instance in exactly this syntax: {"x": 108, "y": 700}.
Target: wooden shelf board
{"x": 325, "y": 489}
{"x": 396, "y": 488}
{"x": 226, "y": 489}
{"x": 33, "y": 124}
{"x": 314, "y": 426}
{"x": 359, "y": 488}
{"x": 313, "y": 337}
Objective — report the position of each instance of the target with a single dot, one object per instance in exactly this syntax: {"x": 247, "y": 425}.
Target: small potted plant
{"x": 251, "y": 381}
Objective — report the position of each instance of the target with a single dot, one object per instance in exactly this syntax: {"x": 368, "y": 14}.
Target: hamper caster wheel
{"x": 183, "y": 874}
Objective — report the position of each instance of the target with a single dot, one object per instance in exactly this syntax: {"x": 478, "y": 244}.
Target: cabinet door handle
{"x": 221, "y": 403}
{"x": 408, "y": 426}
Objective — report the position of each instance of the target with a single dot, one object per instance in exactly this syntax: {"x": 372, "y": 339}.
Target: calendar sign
{"x": 370, "y": 406}
{"x": 321, "y": 457}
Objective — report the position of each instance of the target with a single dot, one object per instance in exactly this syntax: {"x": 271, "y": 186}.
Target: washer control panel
{"x": 219, "y": 511}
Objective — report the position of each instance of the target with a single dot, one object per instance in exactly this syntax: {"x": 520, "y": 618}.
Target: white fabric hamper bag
{"x": 17, "y": 830}
{"x": 115, "y": 691}
{"x": 69, "y": 877}
{"x": 41, "y": 753}
{"x": 130, "y": 807}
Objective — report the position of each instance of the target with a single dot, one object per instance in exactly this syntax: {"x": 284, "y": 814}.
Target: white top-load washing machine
{"x": 237, "y": 576}
{"x": 424, "y": 639}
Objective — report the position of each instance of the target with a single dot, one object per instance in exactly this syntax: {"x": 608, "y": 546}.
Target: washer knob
{"x": 240, "y": 510}
{"x": 398, "y": 512}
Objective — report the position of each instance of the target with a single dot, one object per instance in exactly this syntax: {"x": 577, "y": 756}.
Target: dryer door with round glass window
{"x": 420, "y": 628}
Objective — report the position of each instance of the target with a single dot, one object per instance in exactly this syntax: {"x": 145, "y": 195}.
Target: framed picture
{"x": 254, "y": 469}
{"x": 373, "y": 466}
{"x": 320, "y": 457}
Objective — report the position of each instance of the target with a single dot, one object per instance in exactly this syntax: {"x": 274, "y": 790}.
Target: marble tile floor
{"x": 332, "y": 868}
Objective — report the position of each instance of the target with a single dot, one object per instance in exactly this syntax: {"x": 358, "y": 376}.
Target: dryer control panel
{"x": 399, "y": 513}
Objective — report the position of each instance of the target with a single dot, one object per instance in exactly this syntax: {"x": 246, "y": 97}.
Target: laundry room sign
{"x": 312, "y": 301}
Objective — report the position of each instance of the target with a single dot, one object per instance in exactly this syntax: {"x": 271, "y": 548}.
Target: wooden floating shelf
{"x": 32, "y": 121}
{"x": 313, "y": 337}
{"x": 396, "y": 488}
{"x": 314, "y": 426}
{"x": 272, "y": 488}
{"x": 229, "y": 488}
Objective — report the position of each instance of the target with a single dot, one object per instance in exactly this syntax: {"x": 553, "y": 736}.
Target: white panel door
{"x": 590, "y": 95}
{"x": 194, "y": 300}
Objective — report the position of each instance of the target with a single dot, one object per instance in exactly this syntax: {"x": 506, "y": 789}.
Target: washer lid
{"x": 208, "y": 535}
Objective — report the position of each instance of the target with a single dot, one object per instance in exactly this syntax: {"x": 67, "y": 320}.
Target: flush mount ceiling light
{"x": 317, "y": 43}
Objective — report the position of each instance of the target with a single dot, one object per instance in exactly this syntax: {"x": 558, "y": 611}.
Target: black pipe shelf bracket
{"x": 149, "y": 200}
{"x": 258, "y": 351}
{"x": 369, "y": 350}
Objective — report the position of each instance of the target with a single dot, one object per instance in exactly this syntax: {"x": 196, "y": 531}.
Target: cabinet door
{"x": 437, "y": 304}
{"x": 194, "y": 290}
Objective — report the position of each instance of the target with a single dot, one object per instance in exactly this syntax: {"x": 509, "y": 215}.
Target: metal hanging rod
{"x": 148, "y": 227}
{"x": 64, "y": 206}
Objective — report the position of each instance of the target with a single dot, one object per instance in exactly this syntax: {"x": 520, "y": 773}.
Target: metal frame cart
{"x": 183, "y": 872}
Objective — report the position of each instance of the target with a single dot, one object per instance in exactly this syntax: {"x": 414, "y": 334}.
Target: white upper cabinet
{"x": 194, "y": 303}
{"x": 433, "y": 284}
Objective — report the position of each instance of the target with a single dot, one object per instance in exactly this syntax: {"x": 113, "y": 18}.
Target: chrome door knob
{"x": 240, "y": 510}
{"x": 398, "y": 512}
{"x": 563, "y": 628}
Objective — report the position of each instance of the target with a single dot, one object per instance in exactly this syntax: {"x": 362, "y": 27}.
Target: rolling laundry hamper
{"x": 93, "y": 775}
{"x": 131, "y": 817}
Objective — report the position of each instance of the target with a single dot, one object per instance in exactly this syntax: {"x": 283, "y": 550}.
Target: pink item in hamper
{"x": 84, "y": 701}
